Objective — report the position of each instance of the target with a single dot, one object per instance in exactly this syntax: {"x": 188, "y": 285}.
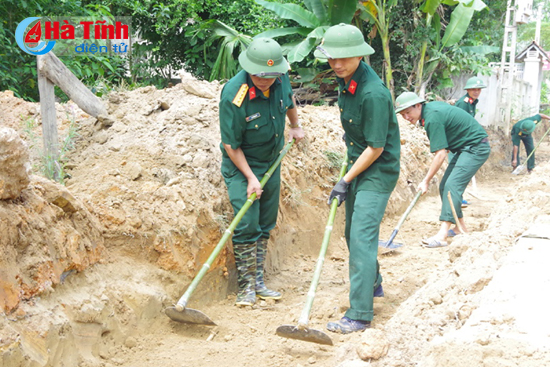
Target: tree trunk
{"x": 389, "y": 72}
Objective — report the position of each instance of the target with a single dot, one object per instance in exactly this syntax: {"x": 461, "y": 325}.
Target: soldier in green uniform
{"x": 468, "y": 103}
{"x": 253, "y": 107}
{"x": 521, "y": 132}
{"x": 448, "y": 128}
{"x": 373, "y": 145}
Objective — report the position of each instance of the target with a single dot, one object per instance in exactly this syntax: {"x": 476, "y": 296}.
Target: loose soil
{"x": 150, "y": 179}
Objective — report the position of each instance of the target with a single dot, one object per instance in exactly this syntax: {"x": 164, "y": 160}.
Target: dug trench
{"x": 147, "y": 183}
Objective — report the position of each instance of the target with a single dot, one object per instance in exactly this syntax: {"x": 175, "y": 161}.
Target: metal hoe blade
{"x": 519, "y": 170}
{"x": 188, "y": 316}
{"x": 308, "y": 335}
{"x": 391, "y": 246}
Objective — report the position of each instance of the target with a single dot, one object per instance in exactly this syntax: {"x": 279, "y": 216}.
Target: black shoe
{"x": 379, "y": 291}
{"x": 346, "y": 325}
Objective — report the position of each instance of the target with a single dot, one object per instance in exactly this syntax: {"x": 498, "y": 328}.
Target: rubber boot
{"x": 245, "y": 260}
{"x": 261, "y": 290}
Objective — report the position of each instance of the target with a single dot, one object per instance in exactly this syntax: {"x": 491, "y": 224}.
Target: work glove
{"x": 339, "y": 192}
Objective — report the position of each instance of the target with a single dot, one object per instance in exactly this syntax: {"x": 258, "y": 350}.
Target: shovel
{"x": 301, "y": 331}
{"x": 390, "y": 245}
{"x": 180, "y": 312}
{"x": 521, "y": 167}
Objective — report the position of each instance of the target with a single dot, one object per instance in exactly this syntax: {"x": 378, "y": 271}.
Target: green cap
{"x": 528, "y": 126}
{"x": 264, "y": 58}
{"x": 342, "y": 41}
{"x": 406, "y": 100}
{"x": 475, "y": 82}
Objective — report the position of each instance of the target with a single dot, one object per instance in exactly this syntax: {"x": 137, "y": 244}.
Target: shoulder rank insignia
{"x": 241, "y": 94}
{"x": 466, "y": 99}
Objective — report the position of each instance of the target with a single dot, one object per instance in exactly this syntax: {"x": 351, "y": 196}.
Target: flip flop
{"x": 451, "y": 233}
{"x": 434, "y": 243}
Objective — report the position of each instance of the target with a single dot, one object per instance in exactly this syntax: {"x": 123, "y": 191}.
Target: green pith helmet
{"x": 528, "y": 126}
{"x": 406, "y": 100}
{"x": 475, "y": 82}
{"x": 342, "y": 41}
{"x": 264, "y": 58}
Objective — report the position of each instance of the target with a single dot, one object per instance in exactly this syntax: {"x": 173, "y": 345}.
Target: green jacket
{"x": 368, "y": 118}
{"x": 516, "y": 129}
{"x": 468, "y": 104}
{"x": 450, "y": 128}
{"x": 251, "y": 121}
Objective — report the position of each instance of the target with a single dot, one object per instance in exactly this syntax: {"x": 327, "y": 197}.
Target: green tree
{"x": 179, "y": 34}
{"x": 18, "y": 69}
{"x": 231, "y": 43}
{"x": 313, "y": 21}
{"x": 454, "y": 31}
{"x": 379, "y": 14}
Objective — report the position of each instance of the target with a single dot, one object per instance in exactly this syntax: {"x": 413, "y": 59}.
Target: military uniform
{"x": 369, "y": 121}
{"x": 520, "y": 136}
{"x": 367, "y": 116}
{"x": 468, "y": 104}
{"x": 253, "y": 122}
{"x": 256, "y": 126}
{"x": 453, "y": 129}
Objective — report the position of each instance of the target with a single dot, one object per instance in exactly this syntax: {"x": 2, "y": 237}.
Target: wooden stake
{"x": 49, "y": 123}
{"x": 454, "y": 212}
{"x": 53, "y": 69}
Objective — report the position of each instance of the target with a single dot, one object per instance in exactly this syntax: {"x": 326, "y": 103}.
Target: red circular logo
{"x": 270, "y": 62}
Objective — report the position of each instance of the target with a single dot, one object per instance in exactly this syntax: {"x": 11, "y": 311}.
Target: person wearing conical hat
{"x": 373, "y": 146}
{"x": 253, "y": 108}
{"x": 469, "y": 101}
{"x": 522, "y": 132}
{"x": 448, "y": 129}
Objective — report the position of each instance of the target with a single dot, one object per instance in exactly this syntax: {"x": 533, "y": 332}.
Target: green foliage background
{"x": 176, "y": 34}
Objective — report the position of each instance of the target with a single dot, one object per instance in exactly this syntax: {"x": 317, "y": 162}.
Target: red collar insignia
{"x": 352, "y": 86}
{"x": 471, "y": 100}
{"x": 252, "y": 93}
{"x": 422, "y": 122}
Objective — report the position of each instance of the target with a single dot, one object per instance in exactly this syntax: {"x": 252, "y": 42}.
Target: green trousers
{"x": 529, "y": 146}
{"x": 460, "y": 171}
{"x": 364, "y": 212}
{"x": 262, "y": 215}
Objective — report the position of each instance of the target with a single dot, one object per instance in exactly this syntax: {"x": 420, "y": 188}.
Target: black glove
{"x": 339, "y": 192}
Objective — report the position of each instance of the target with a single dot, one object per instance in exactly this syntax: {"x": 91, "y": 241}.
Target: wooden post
{"x": 454, "y": 212}
{"x": 53, "y": 69}
{"x": 49, "y": 121}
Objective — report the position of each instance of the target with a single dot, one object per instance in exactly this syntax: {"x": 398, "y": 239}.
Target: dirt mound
{"x": 45, "y": 234}
{"x": 151, "y": 205}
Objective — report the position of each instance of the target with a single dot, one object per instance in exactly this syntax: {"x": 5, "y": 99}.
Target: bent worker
{"x": 253, "y": 107}
{"x": 448, "y": 128}
{"x": 468, "y": 103}
{"x": 522, "y": 132}
{"x": 373, "y": 145}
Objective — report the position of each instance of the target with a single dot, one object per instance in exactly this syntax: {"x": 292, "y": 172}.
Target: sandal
{"x": 451, "y": 233}
{"x": 434, "y": 243}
